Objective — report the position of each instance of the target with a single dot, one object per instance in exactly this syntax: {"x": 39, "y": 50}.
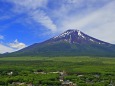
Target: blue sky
{"x": 24, "y": 22}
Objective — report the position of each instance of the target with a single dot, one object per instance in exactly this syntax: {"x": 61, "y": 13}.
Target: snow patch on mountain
{"x": 68, "y": 32}
{"x": 91, "y": 40}
{"x": 63, "y": 34}
{"x": 80, "y": 34}
{"x": 76, "y": 36}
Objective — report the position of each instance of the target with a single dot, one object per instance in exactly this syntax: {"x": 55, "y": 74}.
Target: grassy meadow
{"x": 45, "y": 71}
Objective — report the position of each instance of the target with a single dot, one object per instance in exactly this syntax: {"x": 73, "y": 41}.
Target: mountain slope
{"x": 69, "y": 43}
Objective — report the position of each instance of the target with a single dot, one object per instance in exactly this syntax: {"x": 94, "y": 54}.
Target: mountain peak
{"x": 68, "y": 33}
{"x": 73, "y": 30}
{"x": 76, "y": 36}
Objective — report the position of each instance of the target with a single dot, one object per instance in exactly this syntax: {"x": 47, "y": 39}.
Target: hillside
{"x": 69, "y": 43}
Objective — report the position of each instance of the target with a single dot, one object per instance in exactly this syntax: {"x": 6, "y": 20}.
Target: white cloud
{"x": 90, "y": 16}
{"x": 11, "y": 47}
{"x": 17, "y": 45}
{"x": 28, "y": 4}
{"x": 1, "y": 37}
{"x": 33, "y": 9}
{"x": 104, "y": 32}
{"x": 4, "y": 49}
{"x": 101, "y": 24}
{"x": 98, "y": 17}
{"x": 41, "y": 17}
{"x": 98, "y": 23}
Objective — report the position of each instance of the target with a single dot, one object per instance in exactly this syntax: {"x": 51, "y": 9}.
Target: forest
{"x": 57, "y": 71}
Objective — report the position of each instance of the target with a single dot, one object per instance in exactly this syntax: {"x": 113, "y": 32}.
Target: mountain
{"x": 70, "y": 43}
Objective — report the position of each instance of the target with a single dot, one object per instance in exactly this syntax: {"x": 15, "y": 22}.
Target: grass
{"x": 84, "y": 64}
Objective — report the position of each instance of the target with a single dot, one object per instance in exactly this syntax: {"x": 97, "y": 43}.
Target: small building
{"x": 22, "y": 84}
{"x": 61, "y": 80}
{"x": 10, "y": 73}
{"x": 18, "y": 83}
{"x": 39, "y": 73}
{"x": 80, "y": 75}
{"x": 68, "y": 83}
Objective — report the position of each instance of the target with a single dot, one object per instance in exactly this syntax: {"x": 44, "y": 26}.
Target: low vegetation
{"x": 55, "y": 71}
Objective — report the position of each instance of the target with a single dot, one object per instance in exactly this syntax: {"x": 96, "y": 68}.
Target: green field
{"x": 82, "y": 71}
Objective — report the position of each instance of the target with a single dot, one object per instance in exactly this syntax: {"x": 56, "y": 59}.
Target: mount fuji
{"x": 70, "y": 43}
